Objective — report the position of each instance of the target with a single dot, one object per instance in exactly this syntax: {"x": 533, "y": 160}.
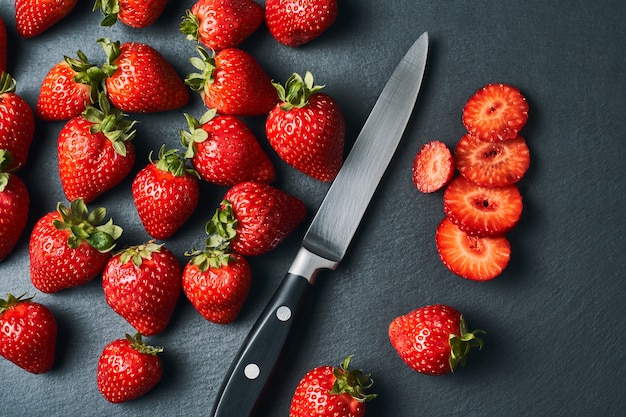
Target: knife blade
{"x": 328, "y": 236}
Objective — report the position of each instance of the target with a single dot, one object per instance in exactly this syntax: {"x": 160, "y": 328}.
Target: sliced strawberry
{"x": 471, "y": 257}
{"x": 482, "y": 211}
{"x": 496, "y": 112}
{"x": 433, "y": 167}
{"x": 492, "y": 164}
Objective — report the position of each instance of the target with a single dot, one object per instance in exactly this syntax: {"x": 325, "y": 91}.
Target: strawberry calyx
{"x": 197, "y": 81}
{"x": 352, "y": 382}
{"x": 297, "y": 91}
{"x": 171, "y": 161}
{"x": 111, "y": 122}
{"x": 87, "y": 226}
{"x": 461, "y": 345}
{"x": 137, "y": 343}
{"x": 110, "y": 9}
{"x": 6, "y": 159}
{"x": 189, "y": 26}
{"x": 195, "y": 134}
{"x": 86, "y": 73}
{"x": 12, "y": 301}
{"x": 137, "y": 254}
{"x": 112, "y": 51}
{"x": 7, "y": 83}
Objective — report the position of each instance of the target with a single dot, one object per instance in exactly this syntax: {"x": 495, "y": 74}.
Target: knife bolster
{"x": 307, "y": 264}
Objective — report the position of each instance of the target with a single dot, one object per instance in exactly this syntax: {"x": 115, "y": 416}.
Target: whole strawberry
{"x": 128, "y": 368}
{"x": 262, "y": 216}
{"x": 95, "y": 151}
{"x": 142, "y": 284}
{"x": 165, "y": 193}
{"x": 32, "y": 18}
{"x": 141, "y": 80}
{"x": 307, "y": 129}
{"x": 14, "y": 206}
{"x": 221, "y": 24}
{"x": 68, "y": 88}
{"x": 17, "y": 122}
{"x": 232, "y": 82}
{"x": 433, "y": 339}
{"x": 70, "y": 246}
{"x": 3, "y": 46}
{"x": 133, "y": 13}
{"x": 217, "y": 281}
{"x": 28, "y": 334}
{"x": 327, "y": 391}
{"x": 296, "y": 22}
{"x": 224, "y": 151}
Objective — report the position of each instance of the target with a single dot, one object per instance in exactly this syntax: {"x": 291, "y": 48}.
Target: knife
{"x": 328, "y": 236}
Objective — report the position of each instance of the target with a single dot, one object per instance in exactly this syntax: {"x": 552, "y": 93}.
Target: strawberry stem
{"x": 460, "y": 346}
{"x": 137, "y": 343}
{"x": 12, "y": 301}
{"x": 206, "y": 65}
{"x": 7, "y": 83}
{"x": 352, "y": 382}
{"x": 189, "y": 26}
{"x": 111, "y": 122}
{"x": 297, "y": 91}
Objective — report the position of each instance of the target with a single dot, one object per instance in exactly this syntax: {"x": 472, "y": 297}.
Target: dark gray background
{"x": 555, "y": 317}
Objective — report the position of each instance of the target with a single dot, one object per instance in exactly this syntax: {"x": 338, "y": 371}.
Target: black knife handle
{"x": 255, "y": 362}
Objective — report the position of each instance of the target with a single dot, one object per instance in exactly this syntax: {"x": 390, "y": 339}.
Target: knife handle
{"x": 256, "y": 360}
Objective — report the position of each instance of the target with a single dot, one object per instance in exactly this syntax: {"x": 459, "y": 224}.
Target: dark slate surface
{"x": 554, "y": 318}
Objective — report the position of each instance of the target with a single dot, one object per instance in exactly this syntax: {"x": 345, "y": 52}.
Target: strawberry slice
{"x": 482, "y": 211}
{"x": 492, "y": 164}
{"x": 495, "y": 113}
{"x": 433, "y": 167}
{"x": 471, "y": 257}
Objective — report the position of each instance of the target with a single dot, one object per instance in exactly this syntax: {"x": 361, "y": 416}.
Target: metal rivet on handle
{"x": 252, "y": 371}
{"x": 283, "y": 313}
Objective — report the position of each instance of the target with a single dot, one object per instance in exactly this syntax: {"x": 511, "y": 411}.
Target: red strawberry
{"x": 327, "y": 391}
{"x": 472, "y": 257}
{"x": 28, "y": 334}
{"x": 142, "y": 284}
{"x": 307, "y": 129}
{"x": 14, "y": 205}
{"x": 296, "y": 22}
{"x": 482, "y": 211}
{"x": 133, "y": 13}
{"x": 217, "y": 283}
{"x": 221, "y": 24}
{"x": 433, "y": 167}
{"x": 17, "y": 123}
{"x": 3, "y": 46}
{"x": 232, "y": 82}
{"x": 68, "y": 88}
{"x": 95, "y": 152}
{"x": 492, "y": 164}
{"x": 70, "y": 247}
{"x": 166, "y": 194}
{"x": 496, "y": 112}
{"x": 32, "y": 18}
{"x": 128, "y": 368}
{"x": 224, "y": 151}
{"x": 141, "y": 80}
{"x": 263, "y": 216}
{"x": 433, "y": 339}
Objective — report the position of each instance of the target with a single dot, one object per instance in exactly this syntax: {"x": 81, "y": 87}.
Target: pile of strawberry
{"x": 483, "y": 203}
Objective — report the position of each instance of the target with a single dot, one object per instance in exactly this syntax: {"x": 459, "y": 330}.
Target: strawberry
{"x": 165, "y": 193}
{"x": 221, "y": 24}
{"x": 224, "y": 151}
{"x": 296, "y": 22}
{"x": 433, "y": 167}
{"x": 142, "y": 284}
{"x": 328, "y": 391}
{"x": 232, "y": 82}
{"x": 68, "y": 88}
{"x": 3, "y": 46}
{"x": 128, "y": 368}
{"x": 32, "y": 18}
{"x": 133, "y": 13}
{"x": 28, "y": 334}
{"x": 496, "y": 112}
{"x": 17, "y": 122}
{"x": 217, "y": 281}
{"x": 492, "y": 164}
{"x": 140, "y": 79}
{"x": 70, "y": 246}
{"x": 95, "y": 152}
{"x": 433, "y": 339}
{"x": 482, "y": 211}
{"x": 472, "y": 257}
{"x": 262, "y": 216}
{"x": 14, "y": 205}
{"x": 307, "y": 129}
